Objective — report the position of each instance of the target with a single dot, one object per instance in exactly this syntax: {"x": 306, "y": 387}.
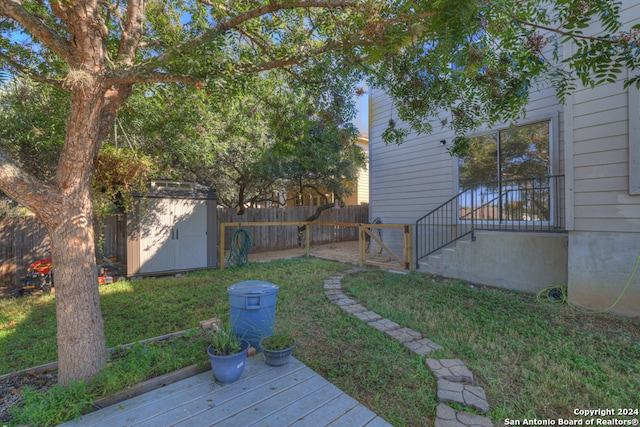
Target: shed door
{"x": 190, "y": 234}
{"x": 174, "y": 235}
{"x": 156, "y": 245}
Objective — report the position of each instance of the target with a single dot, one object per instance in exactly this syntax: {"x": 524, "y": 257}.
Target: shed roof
{"x": 162, "y": 189}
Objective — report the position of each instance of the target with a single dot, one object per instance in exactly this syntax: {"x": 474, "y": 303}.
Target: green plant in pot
{"x": 277, "y": 348}
{"x": 228, "y": 354}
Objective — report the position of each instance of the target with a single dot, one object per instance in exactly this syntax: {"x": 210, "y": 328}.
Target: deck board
{"x": 264, "y": 396}
{"x": 298, "y": 405}
{"x": 355, "y": 417}
{"x": 327, "y": 411}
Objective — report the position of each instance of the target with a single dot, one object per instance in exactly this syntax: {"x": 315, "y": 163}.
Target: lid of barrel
{"x": 253, "y": 287}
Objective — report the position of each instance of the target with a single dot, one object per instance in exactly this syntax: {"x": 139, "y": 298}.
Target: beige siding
{"x": 601, "y": 155}
{"x": 363, "y": 187}
{"x": 363, "y": 176}
{"x": 409, "y": 179}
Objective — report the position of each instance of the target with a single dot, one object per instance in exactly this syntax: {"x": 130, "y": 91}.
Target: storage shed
{"x": 172, "y": 229}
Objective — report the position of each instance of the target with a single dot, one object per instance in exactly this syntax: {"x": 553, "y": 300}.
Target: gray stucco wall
{"x": 524, "y": 261}
{"x": 600, "y": 265}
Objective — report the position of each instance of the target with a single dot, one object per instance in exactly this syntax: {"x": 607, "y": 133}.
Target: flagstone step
{"x": 449, "y": 417}
{"x": 450, "y": 369}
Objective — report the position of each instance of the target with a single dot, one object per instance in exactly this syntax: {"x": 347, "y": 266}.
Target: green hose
{"x": 238, "y": 254}
{"x": 558, "y": 294}
{"x": 553, "y": 294}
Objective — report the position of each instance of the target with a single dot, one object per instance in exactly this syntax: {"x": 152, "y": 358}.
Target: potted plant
{"x": 228, "y": 354}
{"x": 277, "y": 348}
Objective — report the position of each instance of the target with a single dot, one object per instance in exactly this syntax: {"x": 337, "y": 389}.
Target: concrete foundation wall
{"x": 600, "y": 265}
{"x": 523, "y": 261}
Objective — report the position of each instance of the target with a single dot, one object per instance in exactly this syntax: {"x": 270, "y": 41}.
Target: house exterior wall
{"x": 308, "y": 199}
{"x": 363, "y": 176}
{"x": 595, "y": 144}
{"x": 601, "y": 267}
{"x": 604, "y": 147}
{"x": 410, "y": 180}
{"x": 360, "y": 192}
{"x": 420, "y": 174}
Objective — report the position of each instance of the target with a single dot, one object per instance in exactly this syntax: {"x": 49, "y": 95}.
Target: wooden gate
{"x": 387, "y": 257}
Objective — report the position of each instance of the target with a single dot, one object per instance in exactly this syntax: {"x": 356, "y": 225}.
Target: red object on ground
{"x": 42, "y": 266}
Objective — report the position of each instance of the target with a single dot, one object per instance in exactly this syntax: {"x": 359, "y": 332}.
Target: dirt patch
{"x": 347, "y": 252}
{"x": 342, "y": 251}
{"x": 10, "y": 389}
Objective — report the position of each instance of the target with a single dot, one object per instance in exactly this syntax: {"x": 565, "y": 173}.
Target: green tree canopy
{"x": 32, "y": 125}
{"x": 246, "y": 146}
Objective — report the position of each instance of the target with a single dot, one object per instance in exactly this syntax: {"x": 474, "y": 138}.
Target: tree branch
{"x": 240, "y": 18}
{"x": 132, "y": 32}
{"x": 32, "y": 193}
{"x": 319, "y": 211}
{"x": 43, "y": 33}
{"x": 29, "y": 73}
{"x": 557, "y": 30}
{"x": 236, "y": 20}
{"x": 313, "y": 217}
{"x": 374, "y": 36}
{"x": 141, "y": 75}
{"x": 287, "y": 62}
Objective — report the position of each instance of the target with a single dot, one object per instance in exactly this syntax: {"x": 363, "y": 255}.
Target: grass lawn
{"x": 534, "y": 360}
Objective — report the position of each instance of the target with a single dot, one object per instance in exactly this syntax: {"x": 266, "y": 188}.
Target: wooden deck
{"x": 290, "y": 395}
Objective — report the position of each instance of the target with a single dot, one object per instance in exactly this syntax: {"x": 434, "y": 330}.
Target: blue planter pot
{"x": 277, "y": 357}
{"x": 228, "y": 369}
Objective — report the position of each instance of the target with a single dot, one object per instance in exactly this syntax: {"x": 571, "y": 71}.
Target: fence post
{"x": 361, "y": 244}
{"x": 408, "y": 241}
{"x": 222, "y": 227}
{"x": 307, "y": 243}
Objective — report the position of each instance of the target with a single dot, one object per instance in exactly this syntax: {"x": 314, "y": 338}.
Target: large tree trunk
{"x": 81, "y": 340}
{"x": 65, "y": 204}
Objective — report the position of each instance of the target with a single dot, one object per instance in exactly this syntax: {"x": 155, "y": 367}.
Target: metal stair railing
{"x": 441, "y": 227}
{"x": 529, "y": 204}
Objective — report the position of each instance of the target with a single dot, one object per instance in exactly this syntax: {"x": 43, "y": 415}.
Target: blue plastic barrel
{"x": 253, "y": 309}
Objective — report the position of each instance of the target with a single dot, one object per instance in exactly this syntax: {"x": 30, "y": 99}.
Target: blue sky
{"x": 362, "y": 119}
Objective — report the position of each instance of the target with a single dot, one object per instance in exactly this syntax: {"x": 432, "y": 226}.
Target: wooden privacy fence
{"x": 24, "y": 240}
{"x": 387, "y": 257}
{"x": 277, "y": 232}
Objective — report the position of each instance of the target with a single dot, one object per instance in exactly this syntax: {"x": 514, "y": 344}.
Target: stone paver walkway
{"x": 455, "y": 380}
